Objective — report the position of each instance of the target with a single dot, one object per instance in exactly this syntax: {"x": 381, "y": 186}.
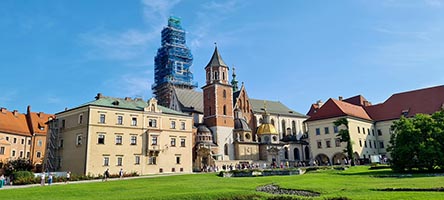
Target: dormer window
{"x": 405, "y": 112}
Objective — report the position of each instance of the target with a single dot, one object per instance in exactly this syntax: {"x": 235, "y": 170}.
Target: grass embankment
{"x": 354, "y": 183}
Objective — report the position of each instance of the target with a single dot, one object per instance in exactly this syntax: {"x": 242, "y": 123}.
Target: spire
{"x": 234, "y": 81}
{"x": 216, "y": 59}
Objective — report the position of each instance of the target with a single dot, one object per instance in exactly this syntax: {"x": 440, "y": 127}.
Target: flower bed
{"x": 253, "y": 173}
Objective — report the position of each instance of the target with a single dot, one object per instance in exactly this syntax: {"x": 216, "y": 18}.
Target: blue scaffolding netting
{"x": 174, "y": 59}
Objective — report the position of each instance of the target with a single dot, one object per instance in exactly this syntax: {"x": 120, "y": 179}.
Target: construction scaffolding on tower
{"x": 173, "y": 62}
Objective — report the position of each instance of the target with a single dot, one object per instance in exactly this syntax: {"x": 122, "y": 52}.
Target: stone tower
{"x": 172, "y": 63}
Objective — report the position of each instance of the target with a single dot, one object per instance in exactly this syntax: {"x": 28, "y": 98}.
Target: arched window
{"x": 307, "y": 153}
{"x": 272, "y": 122}
{"x": 296, "y": 154}
{"x": 283, "y": 128}
{"x": 293, "y": 127}
{"x": 286, "y": 153}
{"x": 226, "y": 149}
{"x": 223, "y": 75}
{"x": 225, "y": 110}
{"x": 224, "y": 94}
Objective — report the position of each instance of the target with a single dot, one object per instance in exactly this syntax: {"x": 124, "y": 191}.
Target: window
{"x": 318, "y": 131}
{"x": 27, "y": 154}
{"x": 368, "y": 131}
{"x": 29, "y": 142}
{"x": 226, "y": 149}
{"x": 359, "y": 130}
{"x": 365, "y": 143}
{"x": 319, "y": 145}
{"x": 182, "y": 142}
{"x": 177, "y": 159}
{"x": 119, "y": 120}
{"x": 23, "y": 141}
{"x": 79, "y": 139}
{"x": 15, "y": 140}
{"x": 360, "y": 143}
{"x": 61, "y": 143}
{"x": 7, "y": 138}
{"x": 118, "y": 139}
{"x": 39, "y": 154}
{"x": 105, "y": 161}
{"x": 137, "y": 160}
{"x": 173, "y": 125}
{"x": 363, "y": 130}
{"x": 154, "y": 140}
{"x": 374, "y": 144}
{"x": 381, "y": 144}
{"x": 293, "y": 127}
{"x": 283, "y": 127}
{"x": 13, "y": 153}
{"x": 119, "y": 161}
{"x": 173, "y": 142}
{"x": 80, "y": 118}
{"x": 337, "y": 142}
{"x": 134, "y": 121}
{"x": 379, "y": 132}
{"x": 327, "y": 131}
{"x": 102, "y": 118}
{"x": 328, "y": 144}
{"x": 335, "y": 129}
{"x": 224, "y": 94}
{"x": 2, "y": 150}
{"x": 63, "y": 123}
{"x": 225, "y": 110}
{"x": 133, "y": 140}
{"x": 101, "y": 139}
{"x": 152, "y": 123}
{"x": 152, "y": 160}
{"x": 39, "y": 143}
{"x": 182, "y": 125}
{"x": 370, "y": 143}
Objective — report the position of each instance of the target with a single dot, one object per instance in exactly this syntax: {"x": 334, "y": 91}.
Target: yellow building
{"x": 114, "y": 133}
{"x": 369, "y": 125}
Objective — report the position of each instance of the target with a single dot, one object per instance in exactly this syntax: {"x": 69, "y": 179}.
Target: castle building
{"x": 23, "y": 135}
{"x": 114, "y": 133}
{"x": 172, "y": 63}
{"x": 224, "y": 111}
{"x": 369, "y": 125}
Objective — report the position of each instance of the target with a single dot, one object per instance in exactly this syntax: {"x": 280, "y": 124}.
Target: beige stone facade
{"x": 131, "y": 134}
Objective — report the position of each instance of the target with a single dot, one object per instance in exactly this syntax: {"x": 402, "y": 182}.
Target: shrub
{"x": 23, "y": 177}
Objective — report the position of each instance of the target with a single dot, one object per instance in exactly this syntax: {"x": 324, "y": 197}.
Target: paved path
{"x": 6, "y": 187}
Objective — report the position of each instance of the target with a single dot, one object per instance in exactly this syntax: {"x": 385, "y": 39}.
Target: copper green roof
{"x": 273, "y": 107}
{"x": 130, "y": 104}
{"x": 216, "y": 60}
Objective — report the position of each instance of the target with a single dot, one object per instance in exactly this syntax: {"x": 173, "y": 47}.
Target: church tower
{"x": 172, "y": 63}
{"x": 218, "y": 105}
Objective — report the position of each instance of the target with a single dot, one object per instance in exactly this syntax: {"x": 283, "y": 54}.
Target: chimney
{"x": 40, "y": 114}
{"x": 28, "y": 110}
{"x": 15, "y": 113}
{"x": 99, "y": 96}
{"x": 340, "y": 98}
{"x": 3, "y": 110}
{"x": 319, "y": 103}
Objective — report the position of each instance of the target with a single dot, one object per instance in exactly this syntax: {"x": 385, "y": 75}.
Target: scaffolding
{"x": 173, "y": 60}
{"x": 52, "y": 158}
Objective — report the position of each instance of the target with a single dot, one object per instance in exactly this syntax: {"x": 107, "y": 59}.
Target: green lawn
{"x": 354, "y": 183}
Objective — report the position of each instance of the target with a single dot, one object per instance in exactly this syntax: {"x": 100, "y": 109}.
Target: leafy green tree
{"x": 344, "y": 136}
{"x": 17, "y": 165}
{"x": 418, "y": 142}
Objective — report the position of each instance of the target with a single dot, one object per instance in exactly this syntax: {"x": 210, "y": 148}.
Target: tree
{"x": 17, "y": 165}
{"x": 344, "y": 136}
{"x": 418, "y": 142}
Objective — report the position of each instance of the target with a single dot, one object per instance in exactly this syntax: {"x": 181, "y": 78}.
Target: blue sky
{"x": 57, "y": 54}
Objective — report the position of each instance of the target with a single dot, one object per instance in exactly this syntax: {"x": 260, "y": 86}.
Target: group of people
{"x": 106, "y": 174}
{"x": 51, "y": 178}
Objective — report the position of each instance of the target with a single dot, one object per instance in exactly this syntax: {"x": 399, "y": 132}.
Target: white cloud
{"x": 155, "y": 10}
{"x": 133, "y": 84}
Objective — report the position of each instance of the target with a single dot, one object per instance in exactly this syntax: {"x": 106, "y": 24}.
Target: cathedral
{"x": 229, "y": 127}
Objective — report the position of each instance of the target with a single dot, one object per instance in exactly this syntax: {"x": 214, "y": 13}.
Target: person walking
{"x": 121, "y": 173}
{"x": 2, "y": 180}
{"x": 68, "y": 176}
{"x": 105, "y": 175}
{"x": 42, "y": 179}
{"x": 50, "y": 179}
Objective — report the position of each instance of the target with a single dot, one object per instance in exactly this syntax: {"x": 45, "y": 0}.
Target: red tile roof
{"x": 23, "y": 124}
{"x": 313, "y": 109}
{"x": 13, "y": 122}
{"x": 336, "y": 108}
{"x": 425, "y": 101}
